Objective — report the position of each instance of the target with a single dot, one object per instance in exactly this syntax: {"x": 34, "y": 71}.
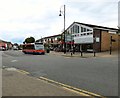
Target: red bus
{"x": 33, "y": 48}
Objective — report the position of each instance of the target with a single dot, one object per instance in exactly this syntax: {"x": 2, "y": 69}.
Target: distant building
{"x": 53, "y": 41}
{"x": 5, "y": 44}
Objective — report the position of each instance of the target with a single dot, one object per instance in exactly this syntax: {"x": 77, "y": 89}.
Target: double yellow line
{"x": 73, "y": 89}
{"x": 22, "y": 71}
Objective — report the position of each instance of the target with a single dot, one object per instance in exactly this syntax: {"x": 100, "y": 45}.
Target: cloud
{"x": 39, "y": 18}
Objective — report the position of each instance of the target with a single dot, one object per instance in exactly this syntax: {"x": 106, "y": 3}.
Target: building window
{"x": 82, "y": 29}
{"x": 89, "y": 30}
{"x": 76, "y": 29}
{"x": 88, "y": 33}
{"x": 91, "y": 33}
{"x": 71, "y": 30}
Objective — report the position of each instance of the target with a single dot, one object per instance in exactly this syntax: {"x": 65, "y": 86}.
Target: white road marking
{"x": 11, "y": 69}
{"x": 14, "y": 60}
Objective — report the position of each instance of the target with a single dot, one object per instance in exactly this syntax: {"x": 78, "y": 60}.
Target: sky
{"x": 20, "y": 19}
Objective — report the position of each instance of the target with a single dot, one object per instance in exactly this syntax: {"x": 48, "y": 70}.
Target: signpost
{"x": 94, "y": 50}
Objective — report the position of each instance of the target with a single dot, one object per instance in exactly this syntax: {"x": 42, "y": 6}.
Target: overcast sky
{"x": 39, "y": 18}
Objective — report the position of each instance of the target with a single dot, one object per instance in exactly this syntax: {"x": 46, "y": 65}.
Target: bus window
{"x": 39, "y": 46}
{"x": 28, "y": 47}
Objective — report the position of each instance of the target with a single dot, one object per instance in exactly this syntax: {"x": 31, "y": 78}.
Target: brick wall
{"x": 105, "y": 41}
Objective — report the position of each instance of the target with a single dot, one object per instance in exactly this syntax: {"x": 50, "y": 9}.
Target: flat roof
{"x": 49, "y": 36}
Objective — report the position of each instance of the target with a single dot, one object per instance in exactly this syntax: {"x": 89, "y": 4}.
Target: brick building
{"x": 89, "y": 37}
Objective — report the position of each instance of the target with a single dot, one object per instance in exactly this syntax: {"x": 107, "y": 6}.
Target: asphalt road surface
{"x": 98, "y": 75}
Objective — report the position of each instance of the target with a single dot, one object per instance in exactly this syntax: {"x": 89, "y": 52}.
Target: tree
{"x": 15, "y": 44}
{"x": 29, "y": 40}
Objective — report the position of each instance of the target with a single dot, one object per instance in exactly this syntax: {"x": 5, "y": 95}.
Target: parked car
{"x": 2, "y": 48}
{"x": 15, "y": 47}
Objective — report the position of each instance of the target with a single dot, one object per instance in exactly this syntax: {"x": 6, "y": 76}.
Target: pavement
{"x": 18, "y": 83}
{"x": 87, "y": 55}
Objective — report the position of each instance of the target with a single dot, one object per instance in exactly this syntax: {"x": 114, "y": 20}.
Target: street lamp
{"x": 63, "y": 12}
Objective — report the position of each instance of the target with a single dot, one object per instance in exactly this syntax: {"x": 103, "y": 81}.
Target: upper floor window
{"x": 82, "y": 29}
{"x": 74, "y": 29}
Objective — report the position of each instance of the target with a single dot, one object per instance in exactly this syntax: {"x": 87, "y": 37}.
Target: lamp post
{"x": 63, "y": 12}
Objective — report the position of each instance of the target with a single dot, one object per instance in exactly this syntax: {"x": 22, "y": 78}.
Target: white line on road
{"x": 14, "y": 60}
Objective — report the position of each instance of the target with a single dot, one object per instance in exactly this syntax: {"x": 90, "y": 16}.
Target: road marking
{"x": 11, "y": 69}
{"x": 73, "y": 89}
{"x": 23, "y": 72}
{"x": 76, "y": 92}
{"x": 14, "y": 60}
{"x": 80, "y": 91}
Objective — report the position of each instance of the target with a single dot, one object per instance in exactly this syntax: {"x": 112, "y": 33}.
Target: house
{"x": 53, "y": 41}
{"x": 6, "y": 45}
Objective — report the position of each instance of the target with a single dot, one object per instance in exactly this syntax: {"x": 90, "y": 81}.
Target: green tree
{"x": 29, "y": 40}
{"x": 15, "y": 44}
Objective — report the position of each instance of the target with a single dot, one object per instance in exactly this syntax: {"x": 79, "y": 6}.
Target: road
{"x": 98, "y": 75}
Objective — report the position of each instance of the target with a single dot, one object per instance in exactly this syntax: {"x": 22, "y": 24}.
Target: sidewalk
{"x": 15, "y": 83}
{"x": 87, "y": 55}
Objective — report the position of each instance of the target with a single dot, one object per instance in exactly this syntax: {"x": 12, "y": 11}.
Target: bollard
{"x": 94, "y": 54}
{"x": 81, "y": 54}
